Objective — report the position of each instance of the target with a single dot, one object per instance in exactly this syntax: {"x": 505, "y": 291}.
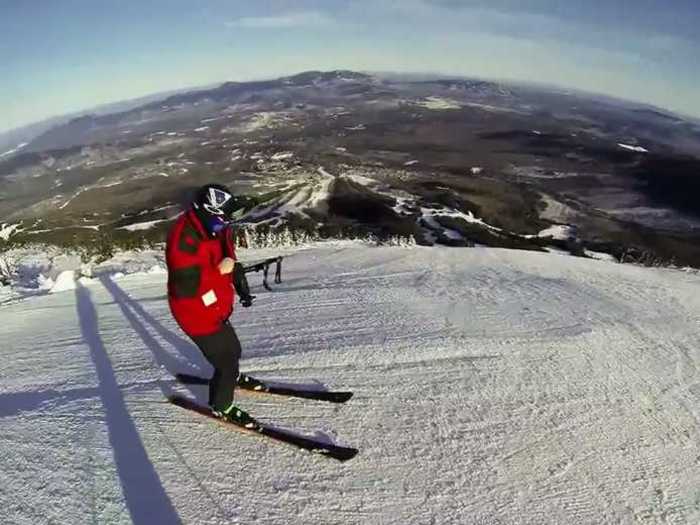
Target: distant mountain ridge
{"x": 99, "y": 124}
{"x": 92, "y": 126}
{"x": 11, "y": 138}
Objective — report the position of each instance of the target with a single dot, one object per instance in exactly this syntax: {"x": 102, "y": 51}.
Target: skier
{"x": 203, "y": 274}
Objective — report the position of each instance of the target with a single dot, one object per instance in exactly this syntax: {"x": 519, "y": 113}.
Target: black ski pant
{"x": 223, "y": 350}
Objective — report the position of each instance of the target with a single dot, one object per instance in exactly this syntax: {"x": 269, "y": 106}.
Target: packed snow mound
{"x": 65, "y": 281}
{"x": 491, "y": 386}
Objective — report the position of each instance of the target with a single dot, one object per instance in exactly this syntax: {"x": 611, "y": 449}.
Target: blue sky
{"x": 60, "y": 56}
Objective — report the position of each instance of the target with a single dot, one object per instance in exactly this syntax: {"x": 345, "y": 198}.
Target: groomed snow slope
{"x": 492, "y": 386}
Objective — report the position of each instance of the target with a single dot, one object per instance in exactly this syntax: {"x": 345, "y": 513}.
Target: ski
{"x": 255, "y": 385}
{"x": 312, "y": 445}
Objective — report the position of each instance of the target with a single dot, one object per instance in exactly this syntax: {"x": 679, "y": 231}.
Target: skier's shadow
{"x": 192, "y": 361}
{"x": 143, "y": 491}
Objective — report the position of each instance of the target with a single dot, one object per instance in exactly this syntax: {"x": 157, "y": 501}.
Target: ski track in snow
{"x": 491, "y": 386}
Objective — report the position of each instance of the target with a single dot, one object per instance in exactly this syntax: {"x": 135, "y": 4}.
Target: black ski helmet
{"x": 214, "y": 203}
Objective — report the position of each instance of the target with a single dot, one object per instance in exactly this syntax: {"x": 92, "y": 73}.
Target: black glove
{"x": 247, "y": 301}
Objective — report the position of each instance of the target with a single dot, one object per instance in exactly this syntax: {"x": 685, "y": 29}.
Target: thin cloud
{"x": 288, "y": 20}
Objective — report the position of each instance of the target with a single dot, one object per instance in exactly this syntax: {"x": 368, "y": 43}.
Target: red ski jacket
{"x": 200, "y": 297}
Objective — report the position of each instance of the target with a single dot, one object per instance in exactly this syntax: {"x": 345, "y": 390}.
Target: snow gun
{"x": 264, "y": 266}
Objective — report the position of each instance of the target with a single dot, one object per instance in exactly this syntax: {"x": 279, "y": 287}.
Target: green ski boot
{"x": 238, "y": 417}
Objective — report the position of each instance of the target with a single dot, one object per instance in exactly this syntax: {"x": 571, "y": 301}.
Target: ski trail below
{"x": 491, "y": 386}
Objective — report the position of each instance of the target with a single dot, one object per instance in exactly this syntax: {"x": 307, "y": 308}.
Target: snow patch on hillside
{"x": 439, "y": 103}
{"x": 14, "y": 150}
{"x": 7, "y": 230}
{"x": 407, "y": 204}
{"x": 310, "y": 194}
{"x": 141, "y": 226}
{"x": 637, "y": 149}
{"x": 560, "y": 232}
{"x": 261, "y": 120}
{"x": 75, "y": 196}
{"x": 494, "y": 109}
{"x": 282, "y": 155}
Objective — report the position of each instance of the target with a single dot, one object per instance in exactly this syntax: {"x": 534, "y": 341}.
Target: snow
{"x": 282, "y": 155}
{"x": 638, "y": 149}
{"x": 410, "y": 163}
{"x": 38, "y": 267}
{"x": 111, "y": 184}
{"x": 68, "y": 280}
{"x": 562, "y": 232}
{"x": 322, "y": 189}
{"x": 364, "y": 181}
{"x": 439, "y": 103}
{"x": 491, "y": 386}
{"x": 141, "y": 226}
{"x": 313, "y": 193}
{"x": 14, "y": 150}
{"x": 407, "y": 204}
{"x": 493, "y": 109}
{"x": 601, "y": 256}
{"x": 435, "y": 226}
{"x": 45, "y": 283}
{"x": 75, "y": 196}
{"x": 261, "y": 120}
{"x": 65, "y": 281}
{"x": 203, "y": 128}
{"x": 7, "y": 230}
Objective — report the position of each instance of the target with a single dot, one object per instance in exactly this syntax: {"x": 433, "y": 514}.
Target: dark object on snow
{"x": 265, "y": 267}
{"x": 262, "y": 429}
{"x": 255, "y": 385}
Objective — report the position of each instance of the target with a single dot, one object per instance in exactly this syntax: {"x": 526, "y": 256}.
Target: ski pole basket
{"x": 265, "y": 267}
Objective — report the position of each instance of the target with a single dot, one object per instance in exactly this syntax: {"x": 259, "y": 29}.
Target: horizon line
{"x": 430, "y": 74}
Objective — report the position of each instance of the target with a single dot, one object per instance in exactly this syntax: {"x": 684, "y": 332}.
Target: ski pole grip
{"x": 240, "y": 282}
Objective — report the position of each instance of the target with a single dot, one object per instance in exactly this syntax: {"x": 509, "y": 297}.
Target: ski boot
{"x": 250, "y": 383}
{"x": 238, "y": 417}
